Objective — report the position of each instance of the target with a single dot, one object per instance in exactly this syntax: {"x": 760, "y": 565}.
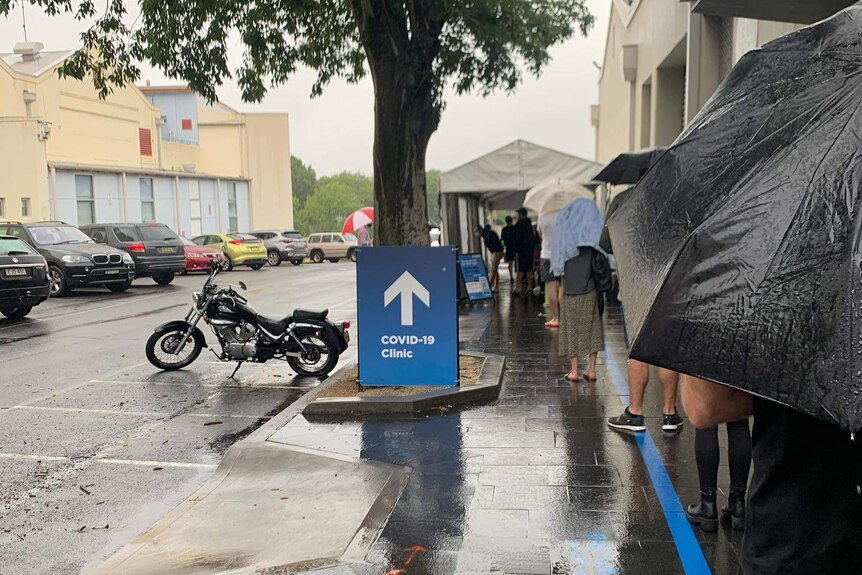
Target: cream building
{"x": 143, "y": 153}
{"x": 665, "y": 58}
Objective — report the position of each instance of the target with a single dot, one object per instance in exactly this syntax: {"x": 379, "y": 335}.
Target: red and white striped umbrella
{"x": 359, "y": 218}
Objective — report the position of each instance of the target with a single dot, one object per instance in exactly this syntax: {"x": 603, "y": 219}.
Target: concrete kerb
{"x": 486, "y": 387}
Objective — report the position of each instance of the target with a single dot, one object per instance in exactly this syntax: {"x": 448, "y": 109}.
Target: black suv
{"x": 157, "y": 251}
{"x": 23, "y": 278}
{"x": 74, "y": 260}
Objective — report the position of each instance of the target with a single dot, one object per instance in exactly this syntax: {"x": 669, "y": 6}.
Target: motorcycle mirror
{"x": 242, "y": 286}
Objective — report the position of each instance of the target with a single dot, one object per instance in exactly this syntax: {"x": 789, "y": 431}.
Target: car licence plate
{"x": 111, "y": 272}
{"x": 167, "y": 250}
{"x": 16, "y": 272}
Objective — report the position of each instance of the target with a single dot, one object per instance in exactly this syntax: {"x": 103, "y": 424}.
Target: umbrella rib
{"x": 805, "y": 196}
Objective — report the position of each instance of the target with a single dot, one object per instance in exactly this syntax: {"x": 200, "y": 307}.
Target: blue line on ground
{"x": 687, "y": 546}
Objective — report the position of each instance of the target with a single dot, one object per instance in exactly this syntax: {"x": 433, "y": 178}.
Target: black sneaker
{"x": 671, "y": 422}
{"x": 627, "y": 421}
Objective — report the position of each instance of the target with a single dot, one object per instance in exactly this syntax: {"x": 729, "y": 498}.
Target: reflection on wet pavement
{"x": 532, "y": 483}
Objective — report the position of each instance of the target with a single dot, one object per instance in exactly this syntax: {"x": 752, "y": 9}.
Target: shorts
{"x": 510, "y": 255}
{"x": 523, "y": 263}
{"x": 545, "y": 272}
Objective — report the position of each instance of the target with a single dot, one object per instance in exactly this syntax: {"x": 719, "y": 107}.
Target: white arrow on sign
{"x": 406, "y": 286}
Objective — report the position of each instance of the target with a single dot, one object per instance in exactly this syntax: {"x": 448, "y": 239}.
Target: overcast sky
{"x": 334, "y": 132}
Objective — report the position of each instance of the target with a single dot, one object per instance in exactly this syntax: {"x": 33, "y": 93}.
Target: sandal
{"x": 570, "y": 379}
{"x": 589, "y": 379}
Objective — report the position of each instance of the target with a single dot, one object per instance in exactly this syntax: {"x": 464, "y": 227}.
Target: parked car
{"x": 238, "y": 249}
{"x": 332, "y": 246}
{"x": 156, "y": 250}
{"x": 23, "y": 278}
{"x": 74, "y": 260}
{"x": 283, "y": 245}
{"x": 199, "y": 258}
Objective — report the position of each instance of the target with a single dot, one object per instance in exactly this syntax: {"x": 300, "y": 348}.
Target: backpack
{"x": 602, "y": 277}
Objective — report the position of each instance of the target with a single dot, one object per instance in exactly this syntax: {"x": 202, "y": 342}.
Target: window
{"x": 233, "y": 219}
{"x": 126, "y": 234}
{"x": 85, "y": 200}
{"x": 157, "y": 233}
{"x": 99, "y": 235}
{"x": 200, "y": 240}
{"x": 337, "y": 239}
{"x": 2, "y": 207}
{"x": 148, "y": 201}
{"x": 25, "y": 207}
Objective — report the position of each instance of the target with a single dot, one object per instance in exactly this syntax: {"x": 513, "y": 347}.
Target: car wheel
{"x": 227, "y": 264}
{"x": 317, "y": 257}
{"x": 163, "y": 279}
{"x": 16, "y": 312}
{"x": 273, "y": 258}
{"x": 296, "y": 262}
{"x": 256, "y": 267}
{"x": 59, "y": 285}
{"x": 351, "y": 255}
{"x": 334, "y": 260}
{"x": 119, "y": 288}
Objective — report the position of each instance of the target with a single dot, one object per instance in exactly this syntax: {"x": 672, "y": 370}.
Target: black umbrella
{"x": 739, "y": 252}
{"x": 629, "y": 167}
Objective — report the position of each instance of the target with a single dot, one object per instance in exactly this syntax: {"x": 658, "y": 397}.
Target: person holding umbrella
{"x": 363, "y": 236}
{"x": 359, "y": 223}
{"x": 576, "y": 238}
{"x": 743, "y": 245}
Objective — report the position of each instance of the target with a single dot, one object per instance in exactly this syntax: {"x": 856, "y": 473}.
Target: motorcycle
{"x": 309, "y": 342}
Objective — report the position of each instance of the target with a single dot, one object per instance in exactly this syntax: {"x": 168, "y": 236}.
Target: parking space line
{"x": 204, "y": 385}
{"x": 109, "y": 461}
{"x": 125, "y": 302}
{"x": 134, "y": 413}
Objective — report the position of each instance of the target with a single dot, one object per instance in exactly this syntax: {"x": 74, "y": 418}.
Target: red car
{"x": 199, "y": 258}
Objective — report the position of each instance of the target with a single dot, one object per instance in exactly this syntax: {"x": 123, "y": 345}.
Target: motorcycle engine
{"x": 238, "y": 340}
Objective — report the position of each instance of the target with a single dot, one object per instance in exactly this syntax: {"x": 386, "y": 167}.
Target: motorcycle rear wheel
{"x": 320, "y": 359}
{"x": 161, "y": 344}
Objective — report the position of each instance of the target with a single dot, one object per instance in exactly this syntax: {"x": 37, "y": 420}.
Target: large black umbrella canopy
{"x": 629, "y": 167}
{"x": 739, "y": 251}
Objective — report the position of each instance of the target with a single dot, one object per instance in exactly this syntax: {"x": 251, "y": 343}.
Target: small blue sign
{"x": 408, "y": 316}
{"x": 475, "y": 277}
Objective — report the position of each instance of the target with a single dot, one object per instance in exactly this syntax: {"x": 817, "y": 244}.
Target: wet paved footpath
{"x": 536, "y": 482}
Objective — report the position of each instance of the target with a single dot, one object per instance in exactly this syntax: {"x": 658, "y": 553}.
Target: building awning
{"x": 796, "y": 11}
{"x": 502, "y": 178}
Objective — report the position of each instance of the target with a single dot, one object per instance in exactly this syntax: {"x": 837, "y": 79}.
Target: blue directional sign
{"x": 475, "y": 276}
{"x": 408, "y": 316}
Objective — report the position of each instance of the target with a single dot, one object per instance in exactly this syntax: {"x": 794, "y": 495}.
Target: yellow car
{"x": 239, "y": 249}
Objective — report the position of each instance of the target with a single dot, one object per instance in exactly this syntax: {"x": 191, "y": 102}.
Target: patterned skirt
{"x": 581, "y": 329}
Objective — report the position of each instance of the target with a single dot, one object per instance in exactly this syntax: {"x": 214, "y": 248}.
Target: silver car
{"x": 283, "y": 245}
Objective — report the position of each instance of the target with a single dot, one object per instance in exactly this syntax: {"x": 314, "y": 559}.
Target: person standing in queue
{"x": 804, "y": 508}
{"x": 575, "y": 241}
{"x": 495, "y": 246}
{"x": 525, "y": 247}
{"x": 545, "y": 227}
{"x": 507, "y": 235}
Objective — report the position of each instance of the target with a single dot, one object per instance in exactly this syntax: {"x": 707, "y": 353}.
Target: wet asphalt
{"x": 96, "y": 444}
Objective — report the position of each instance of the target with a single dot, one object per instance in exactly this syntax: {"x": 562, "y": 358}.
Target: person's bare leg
{"x": 638, "y": 380}
{"x": 572, "y": 376}
{"x": 670, "y": 383}
{"x": 519, "y": 282}
{"x": 553, "y": 289}
{"x": 591, "y": 369}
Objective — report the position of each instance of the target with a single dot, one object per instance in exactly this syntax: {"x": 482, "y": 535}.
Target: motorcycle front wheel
{"x": 318, "y": 360}
{"x": 162, "y": 345}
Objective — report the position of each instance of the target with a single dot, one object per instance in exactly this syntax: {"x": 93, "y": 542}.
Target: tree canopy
{"x": 413, "y": 49}
{"x": 303, "y": 179}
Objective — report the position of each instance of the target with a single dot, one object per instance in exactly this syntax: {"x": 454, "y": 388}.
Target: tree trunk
{"x": 405, "y": 116}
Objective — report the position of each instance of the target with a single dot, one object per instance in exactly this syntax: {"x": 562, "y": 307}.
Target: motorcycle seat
{"x": 305, "y": 314}
{"x": 273, "y": 325}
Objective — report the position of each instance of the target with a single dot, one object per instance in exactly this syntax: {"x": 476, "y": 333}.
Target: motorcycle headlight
{"x": 127, "y": 259}
{"x": 76, "y": 259}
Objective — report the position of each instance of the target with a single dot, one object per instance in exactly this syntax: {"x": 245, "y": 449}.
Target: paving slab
{"x": 265, "y": 493}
